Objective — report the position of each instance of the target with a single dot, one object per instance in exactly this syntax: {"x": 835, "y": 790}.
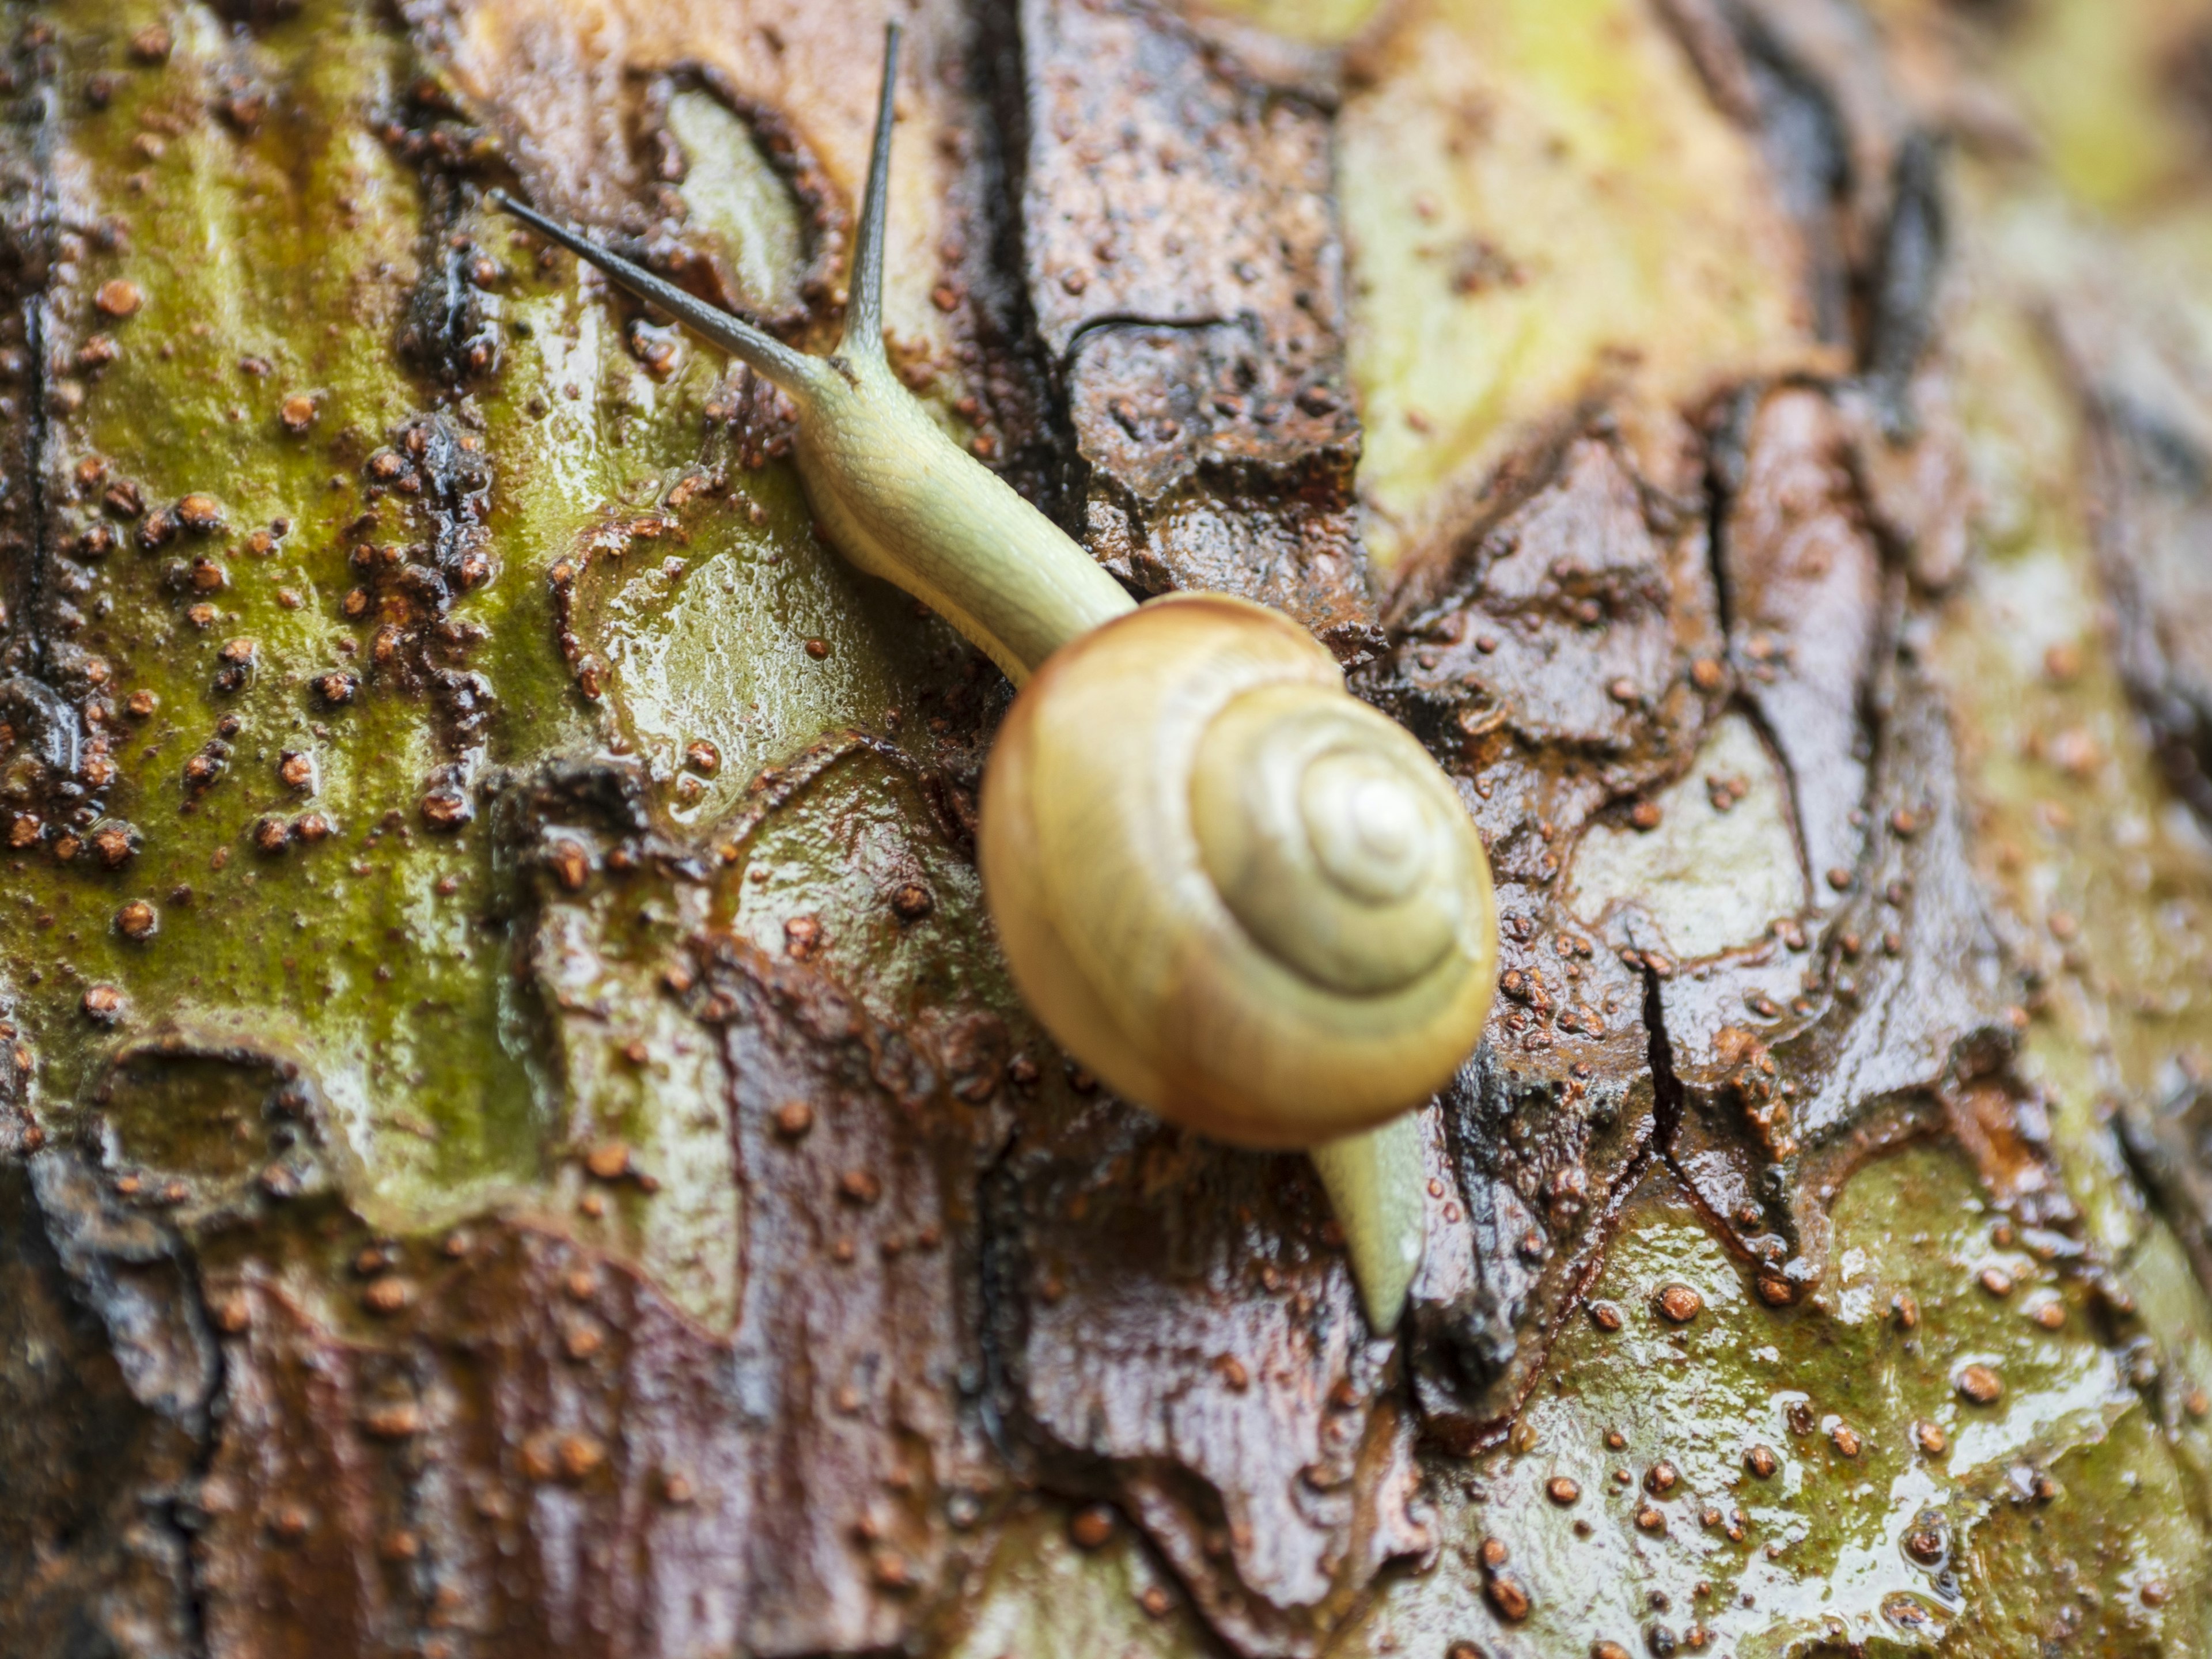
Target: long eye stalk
{"x": 792, "y": 370}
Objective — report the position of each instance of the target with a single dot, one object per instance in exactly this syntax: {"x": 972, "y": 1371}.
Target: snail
{"x": 1241, "y": 897}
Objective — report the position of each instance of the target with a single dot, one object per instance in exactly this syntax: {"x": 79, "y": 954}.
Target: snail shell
{"x": 1242, "y": 897}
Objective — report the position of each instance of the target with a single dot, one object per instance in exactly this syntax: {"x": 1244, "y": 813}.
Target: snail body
{"x": 904, "y": 502}
{"x": 1245, "y": 899}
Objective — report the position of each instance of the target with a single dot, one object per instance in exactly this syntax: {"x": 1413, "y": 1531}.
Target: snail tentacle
{"x": 793, "y": 371}
{"x": 898, "y": 496}
{"x": 864, "y": 304}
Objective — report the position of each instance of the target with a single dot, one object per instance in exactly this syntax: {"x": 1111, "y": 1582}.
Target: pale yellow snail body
{"x": 1246, "y": 899}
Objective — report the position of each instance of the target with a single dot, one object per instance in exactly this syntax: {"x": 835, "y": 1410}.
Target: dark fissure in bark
{"x": 2150, "y": 437}
{"x": 1904, "y": 286}
{"x": 40, "y": 697}
{"x": 451, "y": 331}
{"x": 1808, "y": 152}
{"x": 1667, "y": 1095}
{"x": 30, "y": 252}
{"x": 1040, "y": 458}
{"x": 1728, "y": 435}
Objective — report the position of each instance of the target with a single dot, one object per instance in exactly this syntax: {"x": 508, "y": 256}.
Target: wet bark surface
{"x": 2153, "y": 453}
{"x": 1204, "y": 376}
{"x": 805, "y": 1269}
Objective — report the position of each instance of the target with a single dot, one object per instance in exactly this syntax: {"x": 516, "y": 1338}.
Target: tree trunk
{"x": 515, "y": 1138}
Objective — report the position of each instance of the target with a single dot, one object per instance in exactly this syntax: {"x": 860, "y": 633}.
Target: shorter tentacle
{"x": 864, "y": 311}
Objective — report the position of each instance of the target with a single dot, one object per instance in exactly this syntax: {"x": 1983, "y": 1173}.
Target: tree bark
{"x": 515, "y": 1138}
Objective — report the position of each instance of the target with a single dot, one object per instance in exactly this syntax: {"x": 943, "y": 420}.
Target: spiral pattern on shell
{"x": 1242, "y": 897}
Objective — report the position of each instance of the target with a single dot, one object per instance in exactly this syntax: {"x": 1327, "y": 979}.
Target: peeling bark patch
{"x": 1548, "y": 661}
{"x": 913, "y": 1290}
{"x": 1212, "y": 1373}
{"x": 1540, "y": 1158}
{"x": 89, "y": 1557}
{"x": 1805, "y": 587}
{"x": 858, "y": 1312}
{"x": 1215, "y": 466}
{"x": 135, "y": 1274}
{"x": 1563, "y": 659}
{"x": 1900, "y": 1022}
{"x": 1553, "y": 667}
{"x": 1205, "y": 374}
{"x": 539, "y": 1449}
{"x": 469, "y": 1473}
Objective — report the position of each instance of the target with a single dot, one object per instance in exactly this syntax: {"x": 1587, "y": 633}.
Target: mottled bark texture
{"x": 514, "y": 1136}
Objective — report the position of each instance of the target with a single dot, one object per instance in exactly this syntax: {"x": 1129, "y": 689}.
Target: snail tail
{"x": 1374, "y": 1182}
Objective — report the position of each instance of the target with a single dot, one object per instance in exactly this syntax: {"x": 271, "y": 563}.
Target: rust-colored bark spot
{"x": 570, "y": 864}
{"x": 609, "y": 1160}
{"x": 118, "y": 297}
{"x": 399, "y": 1421}
{"x": 1091, "y": 1527}
{"x": 390, "y": 1294}
{"x": 1678, "y": 1305}
{"x": 1508, "y": 1597}
{"x": 1979, "y": 1385}
{"x": 199, "y": 512}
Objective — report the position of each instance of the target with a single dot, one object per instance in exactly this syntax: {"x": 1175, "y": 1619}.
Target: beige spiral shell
{"x": 1242, "y": 897}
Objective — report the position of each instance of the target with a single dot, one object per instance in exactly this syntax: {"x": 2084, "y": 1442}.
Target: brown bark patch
{"x": 1205, "y": 370}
